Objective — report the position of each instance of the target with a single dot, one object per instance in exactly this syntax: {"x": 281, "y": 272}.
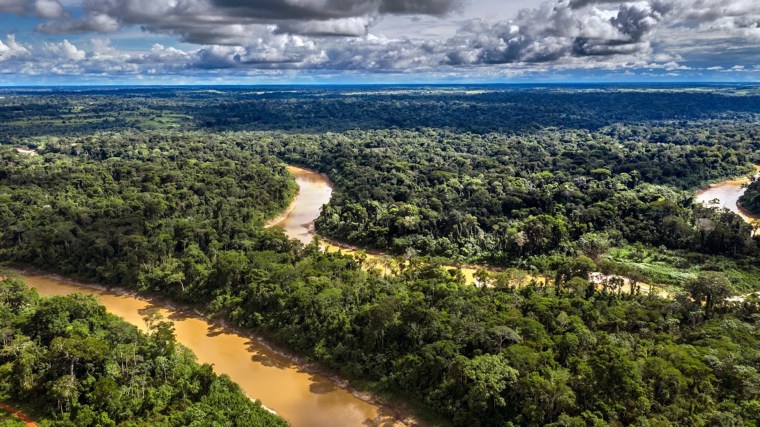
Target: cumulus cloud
{"x": 47, "y": 9}
{"x": 351, "y": 27}
{"x": 10, "y": 49}
{"x": 553, "y": 30}
{"x": 93, "y": 22}
{"x": 556, "y": 30}
{"x": 65, "y": 51}
{"x": 337, "y": 35}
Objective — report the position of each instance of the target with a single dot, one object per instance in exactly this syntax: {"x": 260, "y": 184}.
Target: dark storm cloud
{"x": 635, "y": 20}
{"x": 577, "y": 4}
{"x": 419, "y": 7}
{"x": 14, "y": 6}
{"x": 194, "y": 19}
{"x": 587, "y": 47}
{"x": 296, "y": 10}
{"x": 330, "y": 9}
{"x": 556, "y": 30}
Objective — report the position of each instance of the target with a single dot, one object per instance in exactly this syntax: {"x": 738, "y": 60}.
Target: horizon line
{"x": 372, "y": 84}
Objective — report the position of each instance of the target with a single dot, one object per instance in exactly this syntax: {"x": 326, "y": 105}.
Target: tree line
{"x": 750, "y": 200}
{"x": 481, "y": 109}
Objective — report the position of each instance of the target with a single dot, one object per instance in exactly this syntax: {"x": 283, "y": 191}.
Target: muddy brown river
{"x": 315, "y": 191}
{"x": 302, "y": 398}
{"x": 725, "y": 194}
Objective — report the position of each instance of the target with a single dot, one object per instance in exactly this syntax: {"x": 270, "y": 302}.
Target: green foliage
{"x": 479, "y": 109}
{"x": 674, "y": 268}
{"x": 750, "y": 200}
{"x": 475, "y": 355}
{"x": 8, "y": 420}
{"x": 129, "y": 208}
{"x": 496, "y": 197}
{"x": 711, "y": 287}
{"x": 79, "y": 365}
{"x": 548, "y": 176}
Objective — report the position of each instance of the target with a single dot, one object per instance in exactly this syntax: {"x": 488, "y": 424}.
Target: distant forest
{"x": 477, "y": 109}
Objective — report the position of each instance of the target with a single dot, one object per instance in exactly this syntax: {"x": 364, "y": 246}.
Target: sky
{"x": 71, "y": 42}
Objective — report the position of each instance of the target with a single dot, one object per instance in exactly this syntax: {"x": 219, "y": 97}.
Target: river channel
{"x": 304, "y": 399}
{"x": 726, "y": 194}
{"x": 315, "y": 190}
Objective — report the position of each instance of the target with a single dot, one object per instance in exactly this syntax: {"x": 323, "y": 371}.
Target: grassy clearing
{"x": 672, "y": 269}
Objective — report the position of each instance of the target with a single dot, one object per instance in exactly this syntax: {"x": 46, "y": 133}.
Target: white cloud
{"x": 48, "y": 9}
{"x": 65, "y": 51}
{"x": 338, "y": 36}
{"x": 10, "y": 49}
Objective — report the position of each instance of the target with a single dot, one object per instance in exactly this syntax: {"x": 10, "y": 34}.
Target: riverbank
{"x": 727, "y": 193}
{"x": 281, "y": 217}
{"x": 744, "y": 213}
{"x": 304, "y": 393}
{"x": 321, "y": 188}
{"x": 755, "y": 217}
{"x": 467, "y": 270}
{"x": 720, "y": 181}
{"x": 315, "y": 190}
{"x": 18, "y": 413}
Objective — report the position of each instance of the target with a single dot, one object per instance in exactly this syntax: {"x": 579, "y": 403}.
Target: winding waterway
{"x": 726, "y": 194}
{"x": 315, "y": 191}
{"x": 304, "y": 399}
